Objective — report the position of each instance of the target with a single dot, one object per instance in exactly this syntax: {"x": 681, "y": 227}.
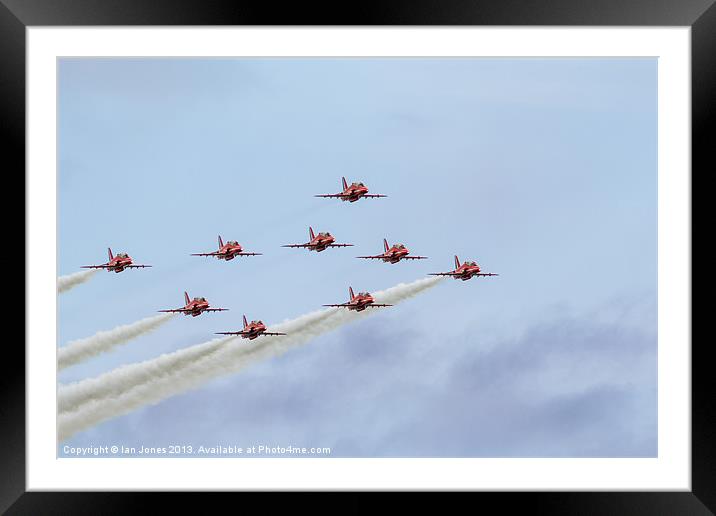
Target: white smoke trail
{"x": 112, "y": 383}
{"x": 122, "y": 379}
{"x": 229, "y": 358}
{"x": 83, "y": 349}
{"x": 65, "y": 283}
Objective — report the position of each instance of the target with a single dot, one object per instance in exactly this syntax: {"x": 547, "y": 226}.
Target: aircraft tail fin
{"x": 350, "y": 292}
{"x": 310, "y": 232}
{"x": 186, "y": 298}
{"x": 345, "y": 184}
{"x": 385, "y": 245}
{"x": 221, "y": 242}
{"x": 245, "y": 323}
{"x": 457, "y": 262}
{"x": 109, "y": 253}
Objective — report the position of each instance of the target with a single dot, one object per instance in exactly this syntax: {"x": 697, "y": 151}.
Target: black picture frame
{"x": 700, "y": 15}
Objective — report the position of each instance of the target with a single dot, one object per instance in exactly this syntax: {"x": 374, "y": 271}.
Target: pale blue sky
{"x": 543, "y": 170}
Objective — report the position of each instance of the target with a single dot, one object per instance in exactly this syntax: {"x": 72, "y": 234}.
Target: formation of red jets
{"x": 320, "y": 242}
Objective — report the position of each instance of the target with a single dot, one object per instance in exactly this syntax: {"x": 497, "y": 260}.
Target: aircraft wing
{"x": 376, "y": 305}
{"x": 103, "y": 266}
{"x": 136, "y": 266}
{"x": 295, "y": 245}
{"x": 330, "y": 195}
{"x": 414, "y": 258}
{"x": 339, "y": 245}
{"x": 455, "y": 274}
{"x": 214, "y": 253}
{"x": 248, "y": 254}
{"x": 246, "y": 333}
{"x": 215, "y": 310}
{"x": 374, "y": 195}
{"x": 175, "y": 310}
{"x": 378, "y": 257}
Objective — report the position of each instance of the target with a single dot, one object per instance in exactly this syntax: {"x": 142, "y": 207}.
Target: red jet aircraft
{"x": 250, "y": 331}
{"x": 194, "y": 307}
{"x": 465, "y": 271}
{"x": 116, "y": 263}
{"x": 352, "y": 193}
{"x": 394, "y": 254}
{"x": 360, "y": 302}
{"x": 319, "y": 242}
{"x": 227, "y": 251}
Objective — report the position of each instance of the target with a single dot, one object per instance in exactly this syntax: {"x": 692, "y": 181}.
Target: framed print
{"x": 418, "y": 250}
